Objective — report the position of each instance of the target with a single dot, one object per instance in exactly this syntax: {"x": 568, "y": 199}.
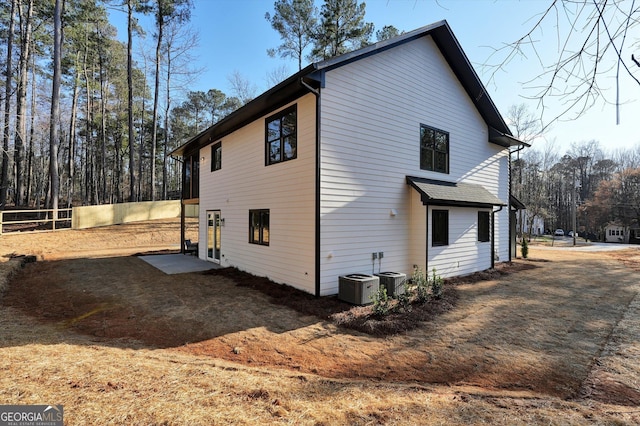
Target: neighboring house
{"x": 395, "y": 148}
{"x": 536, "y": 223}
{"x": 617, "y": 233}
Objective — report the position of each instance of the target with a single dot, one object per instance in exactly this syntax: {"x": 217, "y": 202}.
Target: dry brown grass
{"x": 552, "y": 345}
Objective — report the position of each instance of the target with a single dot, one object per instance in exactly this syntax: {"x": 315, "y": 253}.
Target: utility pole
{"x": 573, "y": 196}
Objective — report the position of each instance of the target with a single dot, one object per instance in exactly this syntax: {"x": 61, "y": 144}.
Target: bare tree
{"x": 55, "y": 106}
{"x": 4, "y": 178}
{"x": 277, "y": 75}
{"x": 241, "y": 87}
{"x": 526, "y": 126}
{"x": 131, "y": 135}
{"x": 592, "y": 45}
{"x": 165, "y": 12}
{"x": 21, "y": 98}
{"x": 180, "y": 42}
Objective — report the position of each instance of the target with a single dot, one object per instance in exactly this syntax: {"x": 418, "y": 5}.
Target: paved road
{"x": 566, "y": 243}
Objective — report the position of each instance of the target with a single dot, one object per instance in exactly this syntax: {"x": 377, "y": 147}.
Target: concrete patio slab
{"x": 178, "y": 263}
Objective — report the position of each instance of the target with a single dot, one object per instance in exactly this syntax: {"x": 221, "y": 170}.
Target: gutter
{"x": 316, "y": 92}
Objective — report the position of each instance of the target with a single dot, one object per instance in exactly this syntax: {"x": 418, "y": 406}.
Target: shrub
{"x": 404, "y": 300}
{"x": 525, "y": 248}
{"x": 420, "y": 285}
{"x": 381, "y": 302}
{"x": 436, "y": 285}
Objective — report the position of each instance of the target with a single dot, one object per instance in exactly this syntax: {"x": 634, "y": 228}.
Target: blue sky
{"x": 234, "y": 36}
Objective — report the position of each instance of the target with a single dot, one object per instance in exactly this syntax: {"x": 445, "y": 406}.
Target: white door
{"x": 213, "y": 236}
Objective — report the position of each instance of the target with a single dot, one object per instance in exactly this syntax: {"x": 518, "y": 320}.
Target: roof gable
{"x": 312, "y": 78}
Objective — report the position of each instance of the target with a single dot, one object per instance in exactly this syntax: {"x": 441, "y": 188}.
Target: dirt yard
{"x": 109, "y": 335}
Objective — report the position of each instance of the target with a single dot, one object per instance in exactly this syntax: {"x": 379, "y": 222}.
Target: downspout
{"x": 316, "y": 92}
{"x": 493, "y": 237}
{"x": 511, "y": 236}
{"x": 426, "y": 249}
{"x": 182, "y": 208}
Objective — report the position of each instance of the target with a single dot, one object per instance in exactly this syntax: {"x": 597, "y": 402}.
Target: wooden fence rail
{"x": 35, "y": 220}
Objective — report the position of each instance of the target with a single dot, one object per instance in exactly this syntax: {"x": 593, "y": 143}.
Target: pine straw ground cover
{"x": 556, "y": 344}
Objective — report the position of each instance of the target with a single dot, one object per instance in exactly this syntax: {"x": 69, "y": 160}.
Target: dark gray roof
{"x": 516, "y": 204}
{"x": 313, "y": 77}
{"x": 442, "y": 193}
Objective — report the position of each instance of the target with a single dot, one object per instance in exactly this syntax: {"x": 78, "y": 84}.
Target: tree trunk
{"x": 166, "y": 128}
{"x": 21, "y": 100}
{"x": 154, "y": 130}
{"x": 86, "y": 188}
{"x": 55, "y": 106}
{"x": 132, "y": 157}
{"x": 4, "y": 178}
{"x": 71, "y": 165}
{"x": 103, "y": 135}
{"x": 141, "y": 149}
{"x": 32, "y": 130}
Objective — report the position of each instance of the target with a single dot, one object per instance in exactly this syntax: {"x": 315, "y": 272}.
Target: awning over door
{"x": 441, "y": 193}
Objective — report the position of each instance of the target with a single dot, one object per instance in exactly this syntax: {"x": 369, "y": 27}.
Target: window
{"x": 483, "y": 227}
{"x": 190, "y": 177}
{"x": 281, "y": 136}
{"x": 216, "y": 156}
{"x": 440, "y": 228}
{"x": 259, "y": 227}
{"x": 434, "y": 149}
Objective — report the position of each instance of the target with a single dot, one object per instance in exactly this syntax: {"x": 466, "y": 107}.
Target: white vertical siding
{"x": 370, "y": 119}
{"x": 287, "y": 189}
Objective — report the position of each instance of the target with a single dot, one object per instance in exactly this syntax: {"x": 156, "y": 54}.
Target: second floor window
{"x": 434, "y": 149}
{"x": 281, "y": 132}
{"x": 191, "y": 177}
{"x": 216, "y": 156}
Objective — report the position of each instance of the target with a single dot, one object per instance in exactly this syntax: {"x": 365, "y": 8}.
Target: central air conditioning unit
{"x": 358, "y": 289}
{"x": 393, "y": 281}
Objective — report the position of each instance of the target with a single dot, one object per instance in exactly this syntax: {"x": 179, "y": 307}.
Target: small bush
{"x": 420, "y": 285}
{"x": 525, "y": 248}
{"x": 381, "y": 302}
{"x": 436, "y": 285}
{"x": 404, "y": 300}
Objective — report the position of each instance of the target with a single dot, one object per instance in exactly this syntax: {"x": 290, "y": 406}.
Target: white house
{"x": 382, "y": 159}
{"x": 531, "y": 225}
{"x": 618, "y": 233}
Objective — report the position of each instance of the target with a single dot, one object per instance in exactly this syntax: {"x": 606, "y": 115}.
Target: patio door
{"x": 213, "y": 235}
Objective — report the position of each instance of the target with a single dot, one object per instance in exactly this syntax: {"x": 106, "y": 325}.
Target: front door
{"x": 213, "y": 236}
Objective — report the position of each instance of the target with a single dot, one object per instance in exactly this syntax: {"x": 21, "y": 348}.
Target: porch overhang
{"x": 456, "y": 194}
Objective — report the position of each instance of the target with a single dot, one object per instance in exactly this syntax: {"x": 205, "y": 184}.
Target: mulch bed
{"x": 362, "y": 318}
